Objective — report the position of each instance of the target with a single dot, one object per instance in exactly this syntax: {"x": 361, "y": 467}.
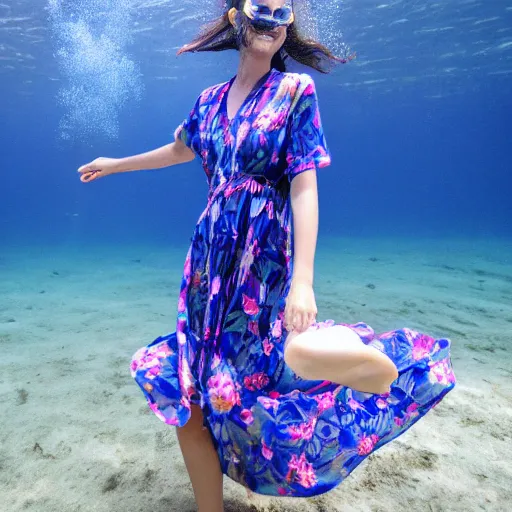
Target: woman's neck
{"x": 250, "y": 70}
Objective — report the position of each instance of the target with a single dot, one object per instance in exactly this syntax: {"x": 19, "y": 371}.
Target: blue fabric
{"x": 275, "y": 433}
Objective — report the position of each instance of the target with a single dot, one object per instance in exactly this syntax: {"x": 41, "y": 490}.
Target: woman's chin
{"x": 263, "y": 47}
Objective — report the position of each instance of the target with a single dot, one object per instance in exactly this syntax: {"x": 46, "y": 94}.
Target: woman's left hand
{"x": 300, "y": 312}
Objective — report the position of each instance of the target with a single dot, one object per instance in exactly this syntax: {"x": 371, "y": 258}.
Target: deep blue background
{"x": 421, "y": 156}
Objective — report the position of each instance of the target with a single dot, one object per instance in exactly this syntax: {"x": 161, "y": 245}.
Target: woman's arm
{"x": 307, "y": 151}
{"x": 170, "y": 154}
{"x": 304, "y": 199}
{"x": 165, "y": 156}
{"x": 301, "y": 310}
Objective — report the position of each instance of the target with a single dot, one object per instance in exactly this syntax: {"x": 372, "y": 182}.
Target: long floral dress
{"x": 274, "y": 432}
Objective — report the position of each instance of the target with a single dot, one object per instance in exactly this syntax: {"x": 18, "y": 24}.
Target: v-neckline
{"x": 259, "y": 84}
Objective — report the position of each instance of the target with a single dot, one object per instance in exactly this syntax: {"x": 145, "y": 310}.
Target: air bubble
{"x": 92, "y": 38}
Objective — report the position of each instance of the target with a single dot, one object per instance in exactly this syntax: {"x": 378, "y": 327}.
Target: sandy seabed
{"x": 76, "y": 433}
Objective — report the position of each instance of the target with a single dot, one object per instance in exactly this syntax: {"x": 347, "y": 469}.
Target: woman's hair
{"x": 220, "y": 35}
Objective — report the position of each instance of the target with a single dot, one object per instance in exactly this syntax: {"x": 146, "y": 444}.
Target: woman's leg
{"x": 337, "y": 354}
{"x": 202, "y": 463}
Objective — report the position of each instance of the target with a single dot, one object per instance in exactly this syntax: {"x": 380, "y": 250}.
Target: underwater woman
{"x": 258, "y": 389}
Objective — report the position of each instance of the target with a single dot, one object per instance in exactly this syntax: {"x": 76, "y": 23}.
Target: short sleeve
{"x": 307, "y": 148}
{"x": 188, "y": 130}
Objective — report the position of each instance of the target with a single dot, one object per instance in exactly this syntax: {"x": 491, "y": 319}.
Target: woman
{"x": 257, "y": 388}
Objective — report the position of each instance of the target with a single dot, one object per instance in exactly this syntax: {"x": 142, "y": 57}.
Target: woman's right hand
{"x": 99, "y": 168}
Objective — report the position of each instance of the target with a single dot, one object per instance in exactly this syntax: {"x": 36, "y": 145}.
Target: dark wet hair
{"x": 220, "y": 35}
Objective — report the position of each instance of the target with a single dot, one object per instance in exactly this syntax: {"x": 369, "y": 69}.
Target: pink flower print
{"x": 216, "y": 361}
{"x": 207, "y": 333}
{"x": 228, "y": 191}
{"x": 448, "y": 373}
{"x": 250, "y": 305}
{"x": 411, "y": 335}
{"x": 292, "y": 87}
{"x": 149, "y": 359}
{"x": 256, "y": 381}
{"x": 215, "y": 287}
{"x": 254, "y": 186}
{"x": 253, "y": 327}
{"x": 138, "y": 361}
{"x": 354, "y": 404}
{"x": 277, "y": 329}
{"x": 263, "y": 123}
{"x": 325, "y": 401}
{"x": 399, "y": 422}
{"x": 153, "y": 372}
{"x": 228, "y": 138}
{"x": 268, "y": 403}
{"x": 242, "y": 133}
{"x": 274, "y": 394}
{"x": 245, "y": 263}
{"x": 267, "y": 347}
{"x": 388, "y": 335}
{"x": 411, "y": 411}
{"x": 187, "y": 378}
{"x": 280, "y": 119}
{"x": 441, "y": 373}
{"x": 367, "y": 444}
{"x": 302, "y": 431}
{"x": 256, "y": 248}
{"x": 266, "y": 451}
{"x": 182, "y": 301}
{"x": 422, "y": 346}
{"x": 282, "y": 491}
{"x": 247, "y": 417}
{"x": 180, "y": 335}
{"x": 161, "y": 350}
{"x": 381, "y": 404}
{"x": 301, "y": 471}
{"x": 412, "y": 408}
{"x": 188, "y": 262}
{"x": 270, "y": 209}
{"x": 309, "y": 90}
{"x": 222, "y": 393}
{"x": 265, "y": 97}
{"x": 137, "y": 357}
{"x": 316, "y": 119}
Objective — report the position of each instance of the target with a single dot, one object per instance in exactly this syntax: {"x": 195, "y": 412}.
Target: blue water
{"x": 415, "y": 230}
{"x": 418, "y": 125}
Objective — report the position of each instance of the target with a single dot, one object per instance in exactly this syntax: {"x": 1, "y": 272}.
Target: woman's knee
{"x": 303, "y": 351}
{"x": 296, "y": 352}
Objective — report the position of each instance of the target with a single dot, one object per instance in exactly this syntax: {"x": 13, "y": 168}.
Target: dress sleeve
{"x": 188, "y": 130}
{"x": 307, "y": 148}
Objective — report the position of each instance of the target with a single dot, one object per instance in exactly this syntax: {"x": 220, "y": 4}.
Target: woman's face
{"x": 267, "y": 43}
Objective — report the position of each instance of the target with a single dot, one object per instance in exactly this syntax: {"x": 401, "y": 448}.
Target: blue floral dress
{"x": 274, "y": 433}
